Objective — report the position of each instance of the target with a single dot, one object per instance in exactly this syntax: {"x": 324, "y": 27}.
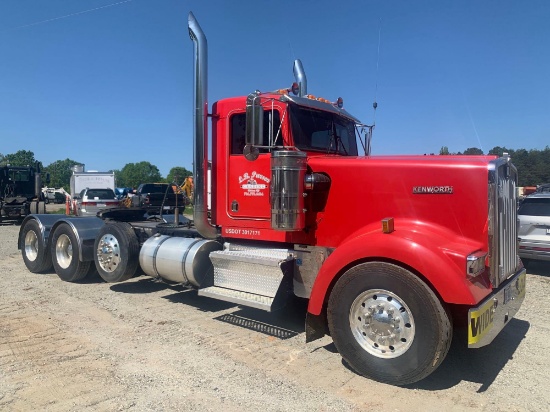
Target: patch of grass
{"x": 60, "y": 211}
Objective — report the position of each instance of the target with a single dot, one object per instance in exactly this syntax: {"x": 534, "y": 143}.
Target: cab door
{"x": 248, "y": 182}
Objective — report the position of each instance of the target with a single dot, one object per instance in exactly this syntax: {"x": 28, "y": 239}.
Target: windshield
{"x": 315, "y": 130}
{"x": 20, "y": 175}
{"x": 100, "y": 194}
{"x": 156, "y": 188}
{"x": 535, "y": 207}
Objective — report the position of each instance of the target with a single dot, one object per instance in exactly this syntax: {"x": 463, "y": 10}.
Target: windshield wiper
{"x": 338, "y": 143}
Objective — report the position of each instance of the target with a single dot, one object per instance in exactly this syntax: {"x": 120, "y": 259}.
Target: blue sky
{"x": 112, "y": 85}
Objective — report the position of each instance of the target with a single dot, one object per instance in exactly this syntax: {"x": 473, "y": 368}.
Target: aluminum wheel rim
{"x": 64, "y": 251}
{"x": 31, "y": 246}
{"x": 382, "y": 323}
{"x": 108, "y": 253}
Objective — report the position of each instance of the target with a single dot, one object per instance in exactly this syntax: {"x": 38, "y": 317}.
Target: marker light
{"x": 387, "y": 225}
{"x": 281, "y": 91}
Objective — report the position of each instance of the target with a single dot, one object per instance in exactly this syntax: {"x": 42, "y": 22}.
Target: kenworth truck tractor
{"x": 21, "y": 191}
{"x": 389, "y": 251}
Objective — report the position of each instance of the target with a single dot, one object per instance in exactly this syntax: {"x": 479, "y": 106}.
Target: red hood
{"x": 451, "y": 192}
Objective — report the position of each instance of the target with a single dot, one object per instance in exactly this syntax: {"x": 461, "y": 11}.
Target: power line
{"x": 65, "y": 16}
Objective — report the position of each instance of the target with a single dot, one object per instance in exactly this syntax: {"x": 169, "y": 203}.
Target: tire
{"x": 64, "y": 252}
{"x": 116, "y": 252}
{"x": 527, "y": 263}
{"x": 34, "y": 252}
{"x": 42, "y": 208}
{"x": 387, "y": 324}
{"x": 33, "y": 207}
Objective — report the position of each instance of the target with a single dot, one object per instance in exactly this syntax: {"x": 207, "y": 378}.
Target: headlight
{"x": 475, "y": 263}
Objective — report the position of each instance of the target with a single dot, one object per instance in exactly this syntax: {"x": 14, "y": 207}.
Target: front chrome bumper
{"x": 487, "y": 320}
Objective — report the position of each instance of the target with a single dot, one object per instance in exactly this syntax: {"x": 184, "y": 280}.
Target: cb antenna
{"x": 368, "y": 135}
{"x": 375, "y": 104}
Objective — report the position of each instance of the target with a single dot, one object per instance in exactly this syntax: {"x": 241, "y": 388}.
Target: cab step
{"x": 240, "y": 298}
{"x": 259, "y": 278}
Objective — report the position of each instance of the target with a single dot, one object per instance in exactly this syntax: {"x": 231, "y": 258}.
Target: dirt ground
{"x": 145, "y": 346}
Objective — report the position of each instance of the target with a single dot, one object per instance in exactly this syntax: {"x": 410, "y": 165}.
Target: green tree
{"x": 133, "y": 174}
{"x": 177, "y": 175}
{"x": 21, "y": 158}
{"x": 444, "y": 150}
{"x": 118, "y": 178}
{"x": 540, "y": 165}
{"x": 473, "y": 151}
{"x": 533, "y": 165}
{"x": 499, "y": 151}
{"x": 60, "y": 173}
{"x": 2, "y": 160}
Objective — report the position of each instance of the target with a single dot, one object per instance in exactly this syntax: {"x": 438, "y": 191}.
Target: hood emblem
{"x": 433, "y": 190}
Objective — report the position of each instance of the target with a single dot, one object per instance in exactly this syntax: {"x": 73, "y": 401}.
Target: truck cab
{"x": 289, "y": 123}
{"x": 20, "y": 191}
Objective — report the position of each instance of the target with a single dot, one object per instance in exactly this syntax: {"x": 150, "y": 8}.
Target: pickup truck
{"x": 155, "y": 197}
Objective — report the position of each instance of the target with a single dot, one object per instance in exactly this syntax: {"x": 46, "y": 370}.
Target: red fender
{"x": 433, "y": 251}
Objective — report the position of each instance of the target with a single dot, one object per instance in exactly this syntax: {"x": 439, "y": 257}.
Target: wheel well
{"x": 385, "y": 260}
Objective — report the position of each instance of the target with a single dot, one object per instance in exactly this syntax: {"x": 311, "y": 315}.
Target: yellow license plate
{"x": 481, "y": 322}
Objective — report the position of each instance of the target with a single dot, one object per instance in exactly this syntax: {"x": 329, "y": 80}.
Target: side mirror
{"x": 254, "y": 126}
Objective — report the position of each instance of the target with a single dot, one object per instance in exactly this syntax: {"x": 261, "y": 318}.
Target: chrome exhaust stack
{"x": 200, "y": 129}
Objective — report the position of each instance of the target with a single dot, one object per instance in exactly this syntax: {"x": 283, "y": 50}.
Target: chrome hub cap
{"x": 64, "y": 251}
{"x": 108, "y": 253}
{"x": 382, "y": 323}
{"x": 31, "y": 246}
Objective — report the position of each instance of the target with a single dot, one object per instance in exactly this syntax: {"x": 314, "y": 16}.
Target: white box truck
{"x": 96, "y": 180}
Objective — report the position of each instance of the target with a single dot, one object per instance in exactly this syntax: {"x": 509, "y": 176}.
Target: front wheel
{"x": 64, "y": 252}
{"x": 388, "y": 324}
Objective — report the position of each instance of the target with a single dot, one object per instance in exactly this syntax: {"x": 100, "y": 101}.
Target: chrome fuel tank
{"x": 179, "y": 260}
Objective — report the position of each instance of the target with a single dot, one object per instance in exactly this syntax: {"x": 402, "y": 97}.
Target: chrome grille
{"x": 503, "y": 221}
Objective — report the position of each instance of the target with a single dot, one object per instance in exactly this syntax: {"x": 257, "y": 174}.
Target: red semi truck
{"x": 390, "y": 251}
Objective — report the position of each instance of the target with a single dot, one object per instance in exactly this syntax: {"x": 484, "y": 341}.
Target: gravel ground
{"x": 142, "y": 345}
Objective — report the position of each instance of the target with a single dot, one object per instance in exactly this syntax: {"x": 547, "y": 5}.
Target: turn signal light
{"x": 387, "y": 225}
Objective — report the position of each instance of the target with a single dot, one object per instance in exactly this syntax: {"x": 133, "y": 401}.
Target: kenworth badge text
{"x": 388, "y": 250}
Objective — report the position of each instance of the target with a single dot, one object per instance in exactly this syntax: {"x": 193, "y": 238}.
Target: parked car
{"x": 59, "y": 198}
{"x": 534, "y": 227}
{"x": 91, "y": 201}
{"x": 53, "y": 195}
